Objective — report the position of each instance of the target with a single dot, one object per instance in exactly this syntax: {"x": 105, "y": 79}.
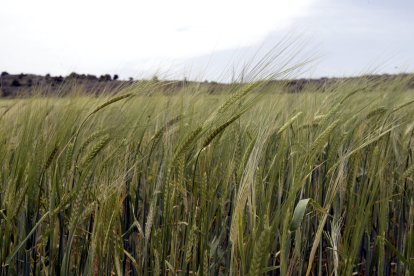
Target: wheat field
{"x": 248, "y": 181}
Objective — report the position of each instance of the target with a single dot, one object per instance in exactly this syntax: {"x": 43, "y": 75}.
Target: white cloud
{"x": 95, "y": 35}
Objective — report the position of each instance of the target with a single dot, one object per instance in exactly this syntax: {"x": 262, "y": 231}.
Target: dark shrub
{"x": 15, "y": 83}
{"x": 116, "y": 77}
{"x": 4, "y": 73}
{"x": 73, "y": 75}
{"x": 58, "y": 79}
{"x": 105, "y": 77}
{"x": 91, "y": 77}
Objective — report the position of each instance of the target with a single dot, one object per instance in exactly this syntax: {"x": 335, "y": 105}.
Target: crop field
{"x": 247, "y": 181}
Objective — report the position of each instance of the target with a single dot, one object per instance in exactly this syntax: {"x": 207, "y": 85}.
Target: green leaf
{"x": 298, "y": 214}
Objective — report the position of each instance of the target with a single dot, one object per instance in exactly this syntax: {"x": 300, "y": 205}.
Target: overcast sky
{"x": 205, "y": 39}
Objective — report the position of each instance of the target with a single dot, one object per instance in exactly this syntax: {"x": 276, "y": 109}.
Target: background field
{"x": 249, "y": 180}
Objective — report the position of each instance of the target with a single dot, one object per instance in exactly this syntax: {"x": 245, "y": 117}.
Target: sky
{"x": 213, "y": 40}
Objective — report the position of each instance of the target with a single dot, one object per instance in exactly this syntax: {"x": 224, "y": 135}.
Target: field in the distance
{"x": 247, "y": 181}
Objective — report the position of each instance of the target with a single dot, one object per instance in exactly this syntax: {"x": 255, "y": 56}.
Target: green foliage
{"x": 145, "y": 183}
{"x": 298, "y": 214}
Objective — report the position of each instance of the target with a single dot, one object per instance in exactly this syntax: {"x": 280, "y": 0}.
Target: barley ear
{"x": 111, "y": 101}
{"x": 95, "y": 150}
{"x": 321, "y": 139}
{"x": 218, "y": 130}
{"x": 259, "y": 253}
{"x": 289, "y": 122}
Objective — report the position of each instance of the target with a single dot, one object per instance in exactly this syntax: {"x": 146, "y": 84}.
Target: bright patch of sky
{"x": 202, "y": 39}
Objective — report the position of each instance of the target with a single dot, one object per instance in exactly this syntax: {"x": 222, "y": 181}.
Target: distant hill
{"x": 22, "y": 84}
{"x": 12, "y": 85}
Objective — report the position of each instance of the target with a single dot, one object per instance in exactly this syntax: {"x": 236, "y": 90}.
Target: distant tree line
{"x": 105, "y": 77}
